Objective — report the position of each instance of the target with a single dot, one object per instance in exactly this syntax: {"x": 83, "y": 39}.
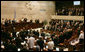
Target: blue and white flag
{"x": 14, "y": 14}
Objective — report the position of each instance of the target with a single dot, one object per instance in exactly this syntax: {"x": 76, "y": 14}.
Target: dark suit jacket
{"x": 43, "y": 34}
{"x": 40, "y": 43}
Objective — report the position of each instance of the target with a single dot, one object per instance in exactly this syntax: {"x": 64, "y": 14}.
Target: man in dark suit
{"x": 37, "y": 33}
{"x": 61, "y": 38}
{"x": 79, "y": 29}
{"x": 37, "y": 21}
{"x": 53, "y": 35}
{"x": 14, "y": 32}
{"x": 34, "y": 32}
{"x": 64, "y": 34}
{"x": 6, "y": 22}
{"x": 56, "y": 40}
{"x": 25, "y": 19}
{"x": 9, "y": 21}
{"x": 70, "y": 34}
{"x": 40, "y": 42}
{"x": 12, "y": 47}
{"x": 30, "y": 21}
{"x": 22, "y": 34}
{"x": 64, "y": 25}
{"x": 42, "y": 34}
{"x": 3, "y": 34}
{"x": 18, "y": 41}
{"x": 7, "y": 35}
{"x": 25, "y": 32}
{"x": 7, "y": 45}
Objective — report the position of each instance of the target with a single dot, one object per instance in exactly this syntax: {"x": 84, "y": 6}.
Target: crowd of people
{"x": 31, "y": 40}
{"x": 66, "y": 29}
{"x": 6, "y": 22}
{"x": 25, "y": 40}
{"x": 71, "y": 11}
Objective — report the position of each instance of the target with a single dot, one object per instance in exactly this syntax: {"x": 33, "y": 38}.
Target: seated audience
{"x": 57, "y": 34}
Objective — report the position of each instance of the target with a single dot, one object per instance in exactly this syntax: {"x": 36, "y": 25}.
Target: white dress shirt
{"x": 31, "y": 42}
{"x": 50, "y": 45}
{"x": 81, "y": 36}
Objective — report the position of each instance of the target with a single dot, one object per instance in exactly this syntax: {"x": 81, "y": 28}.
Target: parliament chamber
{"x": 42, "y": 26}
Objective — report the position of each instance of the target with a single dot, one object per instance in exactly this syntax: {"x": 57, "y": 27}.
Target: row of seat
{"x": 19, "y": 26}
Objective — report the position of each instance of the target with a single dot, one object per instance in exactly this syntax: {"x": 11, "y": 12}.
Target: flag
{"x": 14, "y": 14}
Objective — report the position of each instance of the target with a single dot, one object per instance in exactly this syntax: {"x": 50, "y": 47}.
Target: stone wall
{"x": 41, "y": 10}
